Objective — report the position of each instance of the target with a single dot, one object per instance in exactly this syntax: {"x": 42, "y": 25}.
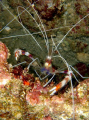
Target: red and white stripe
{"x": 19, "y": 52}
{"x": 62, "y": 83}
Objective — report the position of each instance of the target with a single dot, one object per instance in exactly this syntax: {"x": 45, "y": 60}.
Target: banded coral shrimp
{"x": 64, "y": 61}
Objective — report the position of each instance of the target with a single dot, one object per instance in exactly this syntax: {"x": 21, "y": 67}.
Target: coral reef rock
{"x": 5, "y": 76}
{"x": 19, "y": 101}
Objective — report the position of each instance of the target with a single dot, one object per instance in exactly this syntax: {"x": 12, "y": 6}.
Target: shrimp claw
{"x": 61, "y": 84}
{"x": 19, "y": 52}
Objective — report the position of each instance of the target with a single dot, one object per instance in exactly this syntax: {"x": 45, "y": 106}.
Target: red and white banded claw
{"x": 61, "y": 84}
{"x": 18, "y": 52}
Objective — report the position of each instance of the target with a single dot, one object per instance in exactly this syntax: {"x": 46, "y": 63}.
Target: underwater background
{"x": 33, "y": 25}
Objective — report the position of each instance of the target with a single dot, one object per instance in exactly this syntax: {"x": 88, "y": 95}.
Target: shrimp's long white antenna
{"x": 77, "y": 72}
{"x": 46, "y": 40}
{"x": 15, "y": 18}
{"x": 52, "y": 45}
{"x": 25, "y": 34}
{"x": 14, "y": 36}
{"x": 73, "y": 106}
{"x": 59, "y": 55}
{"x": 35, "y": 22}
{"x": 69, "y": 69}
{"x": 71, "y": 29}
